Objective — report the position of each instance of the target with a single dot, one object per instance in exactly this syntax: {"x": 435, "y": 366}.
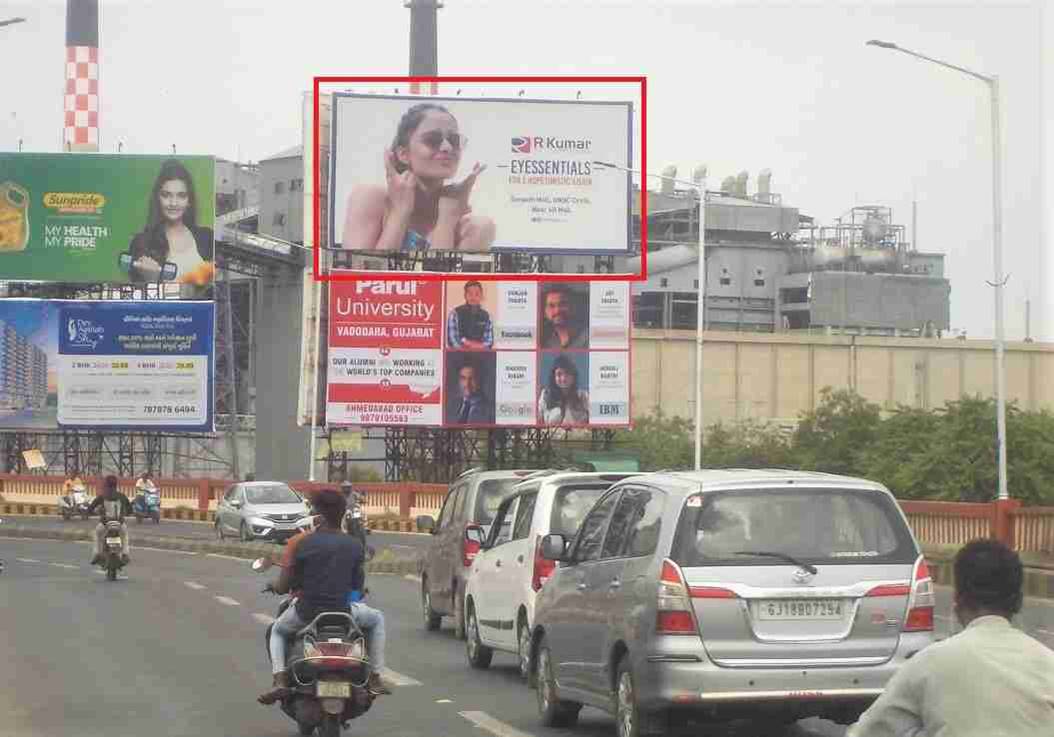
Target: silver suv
{"x": 773, "y": 595}
{"x": 465, "y": 519}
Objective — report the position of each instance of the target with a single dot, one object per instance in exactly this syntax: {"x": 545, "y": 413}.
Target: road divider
{"x": 384, "y": 562}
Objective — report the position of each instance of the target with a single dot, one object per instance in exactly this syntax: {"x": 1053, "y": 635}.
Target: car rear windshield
{"x": 829, "y": 526}
{"x": 271, "y": 494}
{"x": 489, "y": 497}
{"x": 570, "y": 504}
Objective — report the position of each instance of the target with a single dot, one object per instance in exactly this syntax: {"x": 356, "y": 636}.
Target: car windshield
{"x": 818, "y": 526}
{"x": 489, "y": 497}
{"x": 271, "y": 494}
{"x": 570, "y": 505}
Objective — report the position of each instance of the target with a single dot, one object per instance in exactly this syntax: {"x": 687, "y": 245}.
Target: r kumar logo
{"x": 521, "y": 145}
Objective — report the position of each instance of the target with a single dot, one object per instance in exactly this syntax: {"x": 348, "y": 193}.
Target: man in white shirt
{"x": 990, "y": 680}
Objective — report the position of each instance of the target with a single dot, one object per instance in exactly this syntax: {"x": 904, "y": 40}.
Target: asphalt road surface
{"x": 401, "y": 543}
{"x": 176, "y": 648}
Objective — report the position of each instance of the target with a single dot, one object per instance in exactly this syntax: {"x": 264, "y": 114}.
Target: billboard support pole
{"x": 700, "y": 317}
{"x": 314, "y": 384}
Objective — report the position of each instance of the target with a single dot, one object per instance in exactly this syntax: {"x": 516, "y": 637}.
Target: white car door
{"x": 490, "y": 570}
{"x": 517, "y": 566}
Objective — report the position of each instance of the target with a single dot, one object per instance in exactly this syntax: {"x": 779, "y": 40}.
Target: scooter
{"x": 329, "y": 670}
{"x": 113, "y": 551}
{"x": 147, "y": 503}
{"x": 77, "y": 502}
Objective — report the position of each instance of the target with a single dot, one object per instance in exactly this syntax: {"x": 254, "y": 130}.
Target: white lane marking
{"x": 166, "y": 550}
{"x": 444, "y": 701}
{"x": 483, "y": 720}
{"x": 398, "y": 679}
{"x": 411, "y": 577}
{"x": 226, "y": 600}
{"x": 407, "y": 547}
{"x": 64, "y": 565}
{"x": 192, "y": 585}
{"x": 27, "y": 560}
{"x": 226, "y": 557}
{"x": 1045, "y": 633}
{"x": 263, "y": 618}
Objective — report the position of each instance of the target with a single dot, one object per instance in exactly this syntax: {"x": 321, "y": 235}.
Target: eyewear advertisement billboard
{"x": 480, "y": 175}
{"x": 471, "y": 354}
{"x": 107, "y": 218}
{"x": 117, "y": 364}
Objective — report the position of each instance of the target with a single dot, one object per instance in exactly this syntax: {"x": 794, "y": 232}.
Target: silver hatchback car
{"x": 771, "y": 595}
{"x": 260, "y": 510}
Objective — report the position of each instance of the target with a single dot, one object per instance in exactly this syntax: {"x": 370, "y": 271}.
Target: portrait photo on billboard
{"x": 479, "y": 175}
{"x": 470, "y": 386}
{"x": 108, "y": 218}
{"x": 564, "y": 316}
{"x": 471, "y": 310}
{"x": 563, "y": 397}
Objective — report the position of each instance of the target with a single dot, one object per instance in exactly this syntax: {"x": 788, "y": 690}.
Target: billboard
{"x": 471, "y": 354}
{"x": 479, "y": 175}
{"x": 107, "y": 218}
{"x": 106, "y": 364}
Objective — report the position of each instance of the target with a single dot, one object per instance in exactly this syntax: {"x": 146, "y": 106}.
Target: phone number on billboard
{"x": 168, "y": 409}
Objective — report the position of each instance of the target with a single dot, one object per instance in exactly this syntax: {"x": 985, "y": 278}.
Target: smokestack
{"x": 424, "y": 43}
{"x": 81, "y": 129}
{"x": 741, "y": 184}
{"x": 669, "y": 173}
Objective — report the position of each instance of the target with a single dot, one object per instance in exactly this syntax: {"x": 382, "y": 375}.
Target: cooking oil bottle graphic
{"x": 14, "y": 217}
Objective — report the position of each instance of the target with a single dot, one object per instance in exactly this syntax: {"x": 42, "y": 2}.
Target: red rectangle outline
{"x": 351, "y": 275}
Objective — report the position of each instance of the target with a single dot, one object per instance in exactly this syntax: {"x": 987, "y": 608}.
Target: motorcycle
{"x": 147, "y": 503}
{"x": 328, "y": 667}
{"x": 112, "y": 550}
{"x": 77, "y": 502}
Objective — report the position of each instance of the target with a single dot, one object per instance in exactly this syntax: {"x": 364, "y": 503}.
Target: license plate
{"x": 792, "y": 609}
{"x": 113, "y": 542}
{"x": 334, "y": 690}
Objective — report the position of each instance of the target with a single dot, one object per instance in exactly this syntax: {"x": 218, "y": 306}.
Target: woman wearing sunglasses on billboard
{"x": 417, "y": 209}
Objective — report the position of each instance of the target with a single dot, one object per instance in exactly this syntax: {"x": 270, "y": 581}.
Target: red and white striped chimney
{"x": 81, "y": 109}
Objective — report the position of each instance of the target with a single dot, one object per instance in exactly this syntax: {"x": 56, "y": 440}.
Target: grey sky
{"x": 739, "y": 86}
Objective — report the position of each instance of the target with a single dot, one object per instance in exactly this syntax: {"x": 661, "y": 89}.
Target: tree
{"x": 660, "y": 441}
{"x": 747, "y": 444}
{"x": 835, "y": 436}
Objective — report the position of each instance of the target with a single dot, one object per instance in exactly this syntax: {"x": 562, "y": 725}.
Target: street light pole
{"x": 699, "y": 186}
{"x": 997, "y": 249}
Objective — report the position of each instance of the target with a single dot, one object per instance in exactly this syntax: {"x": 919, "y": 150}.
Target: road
{"x": 401, "y": 543}
{"x": 176, "y": 648}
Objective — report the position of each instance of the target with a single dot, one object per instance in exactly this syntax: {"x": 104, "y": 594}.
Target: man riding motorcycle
{"x": 354, "y": 522}
{"x": 324, "y": 568}
{"x": 114, "y": 506}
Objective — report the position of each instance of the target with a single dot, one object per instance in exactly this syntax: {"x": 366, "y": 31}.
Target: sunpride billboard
{"x": 93, "y": 218}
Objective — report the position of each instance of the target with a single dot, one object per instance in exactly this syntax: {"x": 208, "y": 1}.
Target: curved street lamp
{"x": 997, "y": 247}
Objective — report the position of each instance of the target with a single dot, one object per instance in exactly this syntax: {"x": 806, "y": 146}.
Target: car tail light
{"x": 469, "y": 550}
{"x": 921, "y": 600}
{"x": 334, "y": 654}
{"x": 543, "y": 568}
{"x": 674, "y": 615}
{"x": 710, "y": 592}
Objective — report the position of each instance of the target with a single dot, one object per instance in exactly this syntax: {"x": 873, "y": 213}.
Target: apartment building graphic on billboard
{"x": 23, "y": 372}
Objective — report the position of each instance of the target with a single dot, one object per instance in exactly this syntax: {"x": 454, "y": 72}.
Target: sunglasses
{"x": 434, "y": 139}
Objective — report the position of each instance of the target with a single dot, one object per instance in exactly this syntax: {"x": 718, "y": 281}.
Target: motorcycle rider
{"x": 72, "y": 484}
{"x": 353, "y": 524}
{"x": 114, "y": 506}
{"x": 324, "y": 567}
{"x": 989, "y": 679}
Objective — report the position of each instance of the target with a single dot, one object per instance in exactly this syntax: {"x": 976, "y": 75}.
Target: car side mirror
{"x": 474, "y": 533}
{"x": 425, "y": 523}
{"x": 554, "y": 547}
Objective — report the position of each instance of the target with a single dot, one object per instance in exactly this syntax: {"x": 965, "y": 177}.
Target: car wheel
{"x": 479, "y": 655}
{"x": 459, "y": 615}
{"x": 630, "y": 720}
{"x": 523, "y": 639}
{"x": 246, "y": 536}
{"x": 553, "y": 711}
{"x": 432, "y": 620}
